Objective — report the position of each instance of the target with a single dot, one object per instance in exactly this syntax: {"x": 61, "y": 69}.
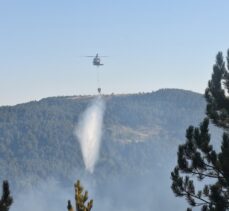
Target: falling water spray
{"x": 89, "y": 132}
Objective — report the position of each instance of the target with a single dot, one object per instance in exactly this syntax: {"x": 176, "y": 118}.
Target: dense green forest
{"x": 37, "y": 138}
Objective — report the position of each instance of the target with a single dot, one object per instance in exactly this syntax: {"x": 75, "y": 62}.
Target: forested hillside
{"x": 140, "y": 137}
{"x": 37, "y": 138}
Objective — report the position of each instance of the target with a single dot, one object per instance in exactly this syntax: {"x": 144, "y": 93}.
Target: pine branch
{"x": 196, "y": 197}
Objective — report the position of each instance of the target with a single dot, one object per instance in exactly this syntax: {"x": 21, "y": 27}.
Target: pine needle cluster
{"x": 81, "y": 198}
{"x": 6, "y": 199}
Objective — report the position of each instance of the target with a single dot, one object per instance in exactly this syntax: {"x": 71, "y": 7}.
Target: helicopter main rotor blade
{"x": 94, "y": 56}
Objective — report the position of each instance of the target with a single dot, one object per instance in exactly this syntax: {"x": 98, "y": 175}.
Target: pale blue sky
{"x": 151, "y": 45}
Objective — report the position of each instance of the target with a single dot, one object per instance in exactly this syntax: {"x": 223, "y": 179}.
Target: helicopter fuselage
{"x": 96, "y": 61}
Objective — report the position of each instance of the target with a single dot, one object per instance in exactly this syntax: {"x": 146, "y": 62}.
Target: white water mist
{"x": 89, "y": 132}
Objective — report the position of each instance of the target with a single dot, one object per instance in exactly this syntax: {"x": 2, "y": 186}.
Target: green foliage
{"x": 197, "y": 157}
{"x": 35, "y": 135}
{"x": 217, "y": 93}
{"x": 81, "y": 198}
{"x": 69, "y": 207}
{"x": 6, "y": 200}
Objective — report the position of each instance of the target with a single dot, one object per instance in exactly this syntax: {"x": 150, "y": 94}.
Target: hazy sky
{"x": 151, "y": 45}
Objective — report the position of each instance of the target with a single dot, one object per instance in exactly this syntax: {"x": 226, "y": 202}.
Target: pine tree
{"x": 6, "y": 199}
{"x": 217, "y": 93}
{"x": 197, "y": 157}
{"x": 81, "y": 198}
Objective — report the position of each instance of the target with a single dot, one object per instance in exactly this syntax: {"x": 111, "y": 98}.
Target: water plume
{"x": 89, "y": 132}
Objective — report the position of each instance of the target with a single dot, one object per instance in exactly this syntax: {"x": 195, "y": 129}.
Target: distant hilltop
{"x": 37, "y": 134}
{"x": 165, "y": 91}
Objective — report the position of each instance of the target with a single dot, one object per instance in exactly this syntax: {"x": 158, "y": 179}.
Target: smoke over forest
{"x": 137, "y": 149}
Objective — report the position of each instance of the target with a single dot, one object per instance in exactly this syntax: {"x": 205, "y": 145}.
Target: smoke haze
{"x": 129, "y": 175}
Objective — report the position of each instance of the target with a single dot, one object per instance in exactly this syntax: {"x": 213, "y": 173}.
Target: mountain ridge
{"x": 106, "y": 95}
{"x": 37, "y": 134}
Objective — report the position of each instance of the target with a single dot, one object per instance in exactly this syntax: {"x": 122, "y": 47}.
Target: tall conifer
{"x": 197, "y": 158}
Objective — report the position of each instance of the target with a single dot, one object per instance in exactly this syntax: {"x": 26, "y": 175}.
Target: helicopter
{"x": 97, "y": 60}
